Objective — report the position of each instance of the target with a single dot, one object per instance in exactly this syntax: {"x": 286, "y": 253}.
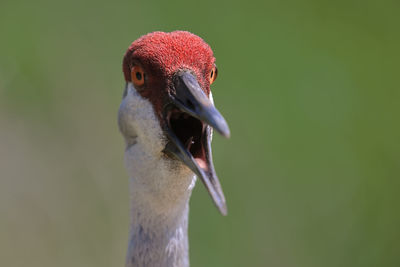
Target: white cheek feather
{"x": 211, "y": 98}
{"x": 212, "y": 129}
{"x": 193, "y": 183}
{"x": 149, "y": 169}
{"x": 137, "y": 117}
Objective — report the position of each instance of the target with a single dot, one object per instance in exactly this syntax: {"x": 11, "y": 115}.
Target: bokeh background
{"x": 311, "y": 91}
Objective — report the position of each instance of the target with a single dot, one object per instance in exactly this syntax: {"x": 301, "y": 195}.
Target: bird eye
{"x": 213, "y": 74}
{"x": 137, "y": 75}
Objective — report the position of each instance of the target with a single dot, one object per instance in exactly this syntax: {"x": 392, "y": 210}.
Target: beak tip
{"x": 223, "y": 210}
{"x": 224, "y": 131}
{"x": 227, "y": 134}
{"x": 222, "y": 127}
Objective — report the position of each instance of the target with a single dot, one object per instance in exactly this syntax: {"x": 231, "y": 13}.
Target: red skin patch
{"x": 161, "y": 55}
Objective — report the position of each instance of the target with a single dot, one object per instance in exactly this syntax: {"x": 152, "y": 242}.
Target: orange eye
{"x": 137, "y": 75}
{"x": 213, "y": 74}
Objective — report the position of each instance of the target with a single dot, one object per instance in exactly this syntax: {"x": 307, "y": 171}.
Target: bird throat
{"x": 160, "y": 190}
{"x": 158, "y": 241}
{"x": 159, "y": 226}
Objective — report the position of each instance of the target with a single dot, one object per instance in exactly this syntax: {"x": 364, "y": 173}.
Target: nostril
{"x": 190, "y": 105}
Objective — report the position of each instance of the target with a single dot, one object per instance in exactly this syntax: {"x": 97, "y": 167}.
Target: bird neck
{"x": 160, "y": 196}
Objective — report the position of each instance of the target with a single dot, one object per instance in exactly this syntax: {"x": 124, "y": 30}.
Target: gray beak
{"x": 190, "y": 116}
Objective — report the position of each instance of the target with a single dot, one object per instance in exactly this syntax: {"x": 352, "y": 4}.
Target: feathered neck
{"x": 159, "y": 216}
{"x": 160, "y": 190}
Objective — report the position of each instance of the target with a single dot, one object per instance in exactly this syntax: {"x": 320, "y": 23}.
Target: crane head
{"x": 173, "y": 72}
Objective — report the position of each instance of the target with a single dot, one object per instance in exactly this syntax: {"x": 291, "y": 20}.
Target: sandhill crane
{"x": 166, "y": 118}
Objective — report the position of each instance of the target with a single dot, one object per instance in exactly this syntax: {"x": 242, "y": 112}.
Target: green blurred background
{"x": 311, "y": 91}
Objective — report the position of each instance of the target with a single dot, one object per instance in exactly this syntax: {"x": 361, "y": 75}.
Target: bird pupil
{"x": 212, "y": 73}
{"x": 138, "y": 76}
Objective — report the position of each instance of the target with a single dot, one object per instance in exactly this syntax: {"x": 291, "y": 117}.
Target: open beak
{"x": 190, "y": 115}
